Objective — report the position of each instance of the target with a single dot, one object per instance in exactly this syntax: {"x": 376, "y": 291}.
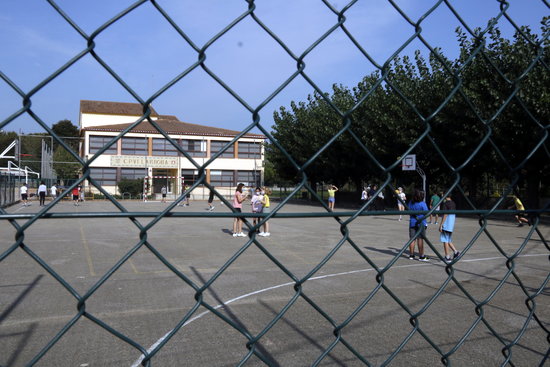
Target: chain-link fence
{"x": 533, "y": 297}
{"x": 8, "y": 191}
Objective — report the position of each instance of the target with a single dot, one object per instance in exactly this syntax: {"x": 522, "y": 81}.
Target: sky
{"x": 145, "y": 51}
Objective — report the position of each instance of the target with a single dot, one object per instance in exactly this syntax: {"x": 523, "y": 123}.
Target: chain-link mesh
{"x": 22, "y": 222}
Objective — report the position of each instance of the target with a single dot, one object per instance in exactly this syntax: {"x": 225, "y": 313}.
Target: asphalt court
{"x": 145, "y": 300}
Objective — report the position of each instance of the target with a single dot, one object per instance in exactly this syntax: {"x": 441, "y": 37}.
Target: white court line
{"x": 22, "y": 206}
{"x": 136, "y": 363}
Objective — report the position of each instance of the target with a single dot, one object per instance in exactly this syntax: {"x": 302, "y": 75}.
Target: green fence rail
{"x": 21, "y": 222}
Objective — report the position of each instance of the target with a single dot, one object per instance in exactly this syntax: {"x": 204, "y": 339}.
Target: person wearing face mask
{"x": 256, "y": 202}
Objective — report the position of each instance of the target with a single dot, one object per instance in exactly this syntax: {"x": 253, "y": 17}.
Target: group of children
{"x": 418, "y": 224}
{"x": 260, "y": 204}
{"x": 77, "y": 194}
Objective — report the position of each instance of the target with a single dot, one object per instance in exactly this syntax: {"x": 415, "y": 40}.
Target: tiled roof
{"x": 114, "y": 108}
{"x": 173, "y": 126}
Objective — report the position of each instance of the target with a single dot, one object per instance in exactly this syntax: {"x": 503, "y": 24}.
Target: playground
{"x": 341, "y": 302}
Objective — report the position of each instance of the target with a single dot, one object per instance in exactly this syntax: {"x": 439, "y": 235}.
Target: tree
{"x": 132, "y": 186}
{"x": 497, "y": 89}
{"x": 65, "y": 129}
{"x": 63, "y": 164}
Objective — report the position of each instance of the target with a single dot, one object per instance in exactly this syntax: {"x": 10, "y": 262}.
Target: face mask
{"x": 257, "y": 193}
{"x": 263, "y": 192}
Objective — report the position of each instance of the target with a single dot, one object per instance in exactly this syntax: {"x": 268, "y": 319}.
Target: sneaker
{"x": 261, "y": 234}
{"x": 447, "y": 260}
{"x": 423, "y": 258}
{"x": 241, "y": 234}
{"x": 456, "y": 254}
{"x": 235, "y": 235}
{"x": 211, "y": 208}
{"x": 411, "y": 257}
{"x": 520, "y": 224}
{"x": 267, "y": 234}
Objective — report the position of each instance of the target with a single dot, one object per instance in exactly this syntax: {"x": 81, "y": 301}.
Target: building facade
{"x": 144, "y": 153}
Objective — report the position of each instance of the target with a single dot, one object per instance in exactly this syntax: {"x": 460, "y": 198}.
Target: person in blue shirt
{"x": 417, "y": 223}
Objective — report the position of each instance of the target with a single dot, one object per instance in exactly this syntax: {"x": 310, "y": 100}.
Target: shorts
{"x": 24, "y": 196}
{"x": 446, "y": 236}
{"x": 412, "y": 231}
{"x": 331, "y": 200}
{"x": 163, "y": 195}
{"x": 75, "y": 197}
{"x": 267, "y": 209}
{"x": 238, "y": 210}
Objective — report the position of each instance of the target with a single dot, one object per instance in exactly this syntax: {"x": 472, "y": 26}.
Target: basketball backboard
{"x": 409, "y": 163}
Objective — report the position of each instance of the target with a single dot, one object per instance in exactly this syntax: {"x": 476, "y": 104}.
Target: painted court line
{"x": 136, "y": 363}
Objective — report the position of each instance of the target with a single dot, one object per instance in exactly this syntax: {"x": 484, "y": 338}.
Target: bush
{"x": 133, "y": 187}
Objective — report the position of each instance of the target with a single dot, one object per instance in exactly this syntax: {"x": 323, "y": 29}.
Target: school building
{"x": 144, "y": 153}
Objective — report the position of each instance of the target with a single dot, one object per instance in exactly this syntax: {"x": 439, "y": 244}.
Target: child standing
{"x": 401, "y": 201}
{"x": 417, "y": 223}
{"x": 24, "y": 194}
{"x": 76, "y": 195}
{"x": 238, "y": 199}
{"x": 446, "y": 228}
{"x": 434, "y": 203}
{"x": 256, "y": 202}
{"x": 266, "y": 209}
{"x": 42, "y": 190}
{"x": 331, "y": 196}
{"x": 211, "y": 199}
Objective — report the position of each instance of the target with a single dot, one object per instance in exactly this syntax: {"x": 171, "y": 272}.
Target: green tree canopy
{"x": 65, "y": 129}
{"x": 63, "y": 164}
{"x": 487, "y": 111}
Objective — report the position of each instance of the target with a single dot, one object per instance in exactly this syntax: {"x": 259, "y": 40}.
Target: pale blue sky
{"x": 147, "y": 52}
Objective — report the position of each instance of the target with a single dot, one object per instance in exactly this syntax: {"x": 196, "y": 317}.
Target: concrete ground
{"x": 144, "y": 300}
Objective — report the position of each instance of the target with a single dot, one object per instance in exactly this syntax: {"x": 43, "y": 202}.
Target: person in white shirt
{"x": 401, "y": 201}
{"x": 53, "y": 191}
{"x": 42, "y": 189}
{"x": 24, "y": 194}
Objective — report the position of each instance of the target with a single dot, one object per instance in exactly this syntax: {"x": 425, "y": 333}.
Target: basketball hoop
{"x": 409, "y": 163}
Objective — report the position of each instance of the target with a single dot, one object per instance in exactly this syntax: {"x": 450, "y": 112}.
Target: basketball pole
{"x": 423, "y": 175}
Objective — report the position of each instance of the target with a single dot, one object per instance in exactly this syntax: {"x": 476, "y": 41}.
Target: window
{"x": 134, "y": 146}
{"x": 163, "y": 147}
{"x": 251, "y": 178}
{"x": 216, "y": 146}
{"x": 133, "y": 173}
{"x": 190, "y": 176}
{"x": 250, "y": 150}
{"x": 195, "y": 148}
{"x": 104, "y": 176}
{"x": 222, "y": 178}
{"x": 97, "y": 142}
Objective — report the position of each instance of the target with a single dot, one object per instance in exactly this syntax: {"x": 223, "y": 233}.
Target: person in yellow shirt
{"x": 331, "y": 196}
{"x": 520, "y": 217}
{"x": 266, "y": 209}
